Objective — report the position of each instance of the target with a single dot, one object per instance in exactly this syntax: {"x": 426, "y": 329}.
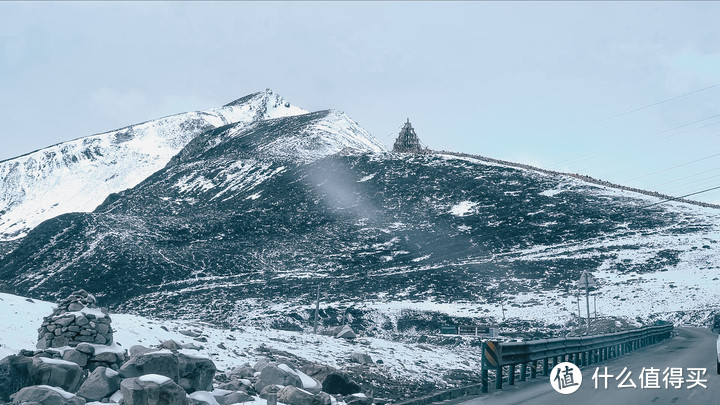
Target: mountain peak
{"x": 266, "y": 104}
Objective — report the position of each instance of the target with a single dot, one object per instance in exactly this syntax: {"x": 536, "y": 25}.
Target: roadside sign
{"x": 586, "y": 279}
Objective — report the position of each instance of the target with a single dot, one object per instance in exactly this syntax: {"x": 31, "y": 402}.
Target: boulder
{"x": 203, "y": 398}
{"x": 326, "y": 399}
{"x": 242, "y": 372}
{"x": 270, "y": 389}
{"x": 261, "y": 364}
{"x": 195, "y": 373}
{"x": 46, "y": 395}
{"x": 170, "y": 345}
{"x": 345, "y": 332}
{"x": 56, "y": 373}
{"x": 190, "y": 333}
{"x": 152, "y": 389}
{"x": 337, "y": 383}
{"x": 136, "y": 350}
{"x": 275, "y": 374}
{"x": 235, "y": 385}
{"x": 318, "y": 371}
{"x": 101, "y": 383}
{"x": 105, "y": 357}
{"x": 234, "y": 397}
{"x": 14, "y": 375}
{"x": 76, "y": 357}
{"x": 309, "y": 384}
{"x": 358, "y": 399}
{"x": 85, "y": 348}
{"x": 297, "y": 396}
{"x": 361, "y": 358}
{"x": 161, "y": 363}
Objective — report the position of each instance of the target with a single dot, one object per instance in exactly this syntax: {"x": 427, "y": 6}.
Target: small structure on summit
{"x": 408, "y": 141}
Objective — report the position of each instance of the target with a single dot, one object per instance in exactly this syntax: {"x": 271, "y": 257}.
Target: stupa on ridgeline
{"x": 408, "y": 141}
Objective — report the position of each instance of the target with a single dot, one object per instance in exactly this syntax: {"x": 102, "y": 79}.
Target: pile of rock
{"x": 313, "y": 385}
{"x": 76, "y": 320}
{"x": 69, "y": 370}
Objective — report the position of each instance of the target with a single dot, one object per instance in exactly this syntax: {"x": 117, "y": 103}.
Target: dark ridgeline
{"x": 408, "y": 141}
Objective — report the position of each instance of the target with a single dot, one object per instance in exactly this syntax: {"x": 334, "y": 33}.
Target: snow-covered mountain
{"x": 76, "y": 176}
{"x": 249, "y": 218}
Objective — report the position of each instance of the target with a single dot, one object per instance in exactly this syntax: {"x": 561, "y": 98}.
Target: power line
{"x": 605, "y": 151}
{"x": 683, "y": 196}
{"x": 622, "y": 159}
{"x": 693, "y": 184}
{"x": 644, "y": 107}
{"x": 670, "y": 168}
{"x": 621, "y": 114}
{"x": 682, "y": 178}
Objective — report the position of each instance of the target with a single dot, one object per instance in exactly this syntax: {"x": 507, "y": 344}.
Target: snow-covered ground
{"x": 21, "y": 318}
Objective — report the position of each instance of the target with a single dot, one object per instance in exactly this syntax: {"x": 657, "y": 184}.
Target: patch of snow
{"x": 366, "y": 178}
{"x": 57, "y": 361}
{"x": 154, "y": 378}
{"x": 204, "y": 396}
{"x": 551, "y": 193}
{"x": 463, "y": 208}
{"x": 116, "y": 397}
{"x": 219, "y": 392}
{"x": 113, "y": 348}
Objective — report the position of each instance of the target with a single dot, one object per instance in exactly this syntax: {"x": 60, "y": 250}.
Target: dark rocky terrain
{"x": 255, "y": 215}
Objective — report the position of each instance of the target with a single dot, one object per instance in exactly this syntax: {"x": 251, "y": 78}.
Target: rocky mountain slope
{"x": 76, "y": 176}
{"x": 248, "y": 219}
{"x": 392, "y": 369}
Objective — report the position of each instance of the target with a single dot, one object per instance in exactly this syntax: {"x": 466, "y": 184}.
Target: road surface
{"x": 689, "y": 348}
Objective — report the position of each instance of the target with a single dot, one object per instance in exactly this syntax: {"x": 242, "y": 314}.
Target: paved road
{"x": 690, "y": 348}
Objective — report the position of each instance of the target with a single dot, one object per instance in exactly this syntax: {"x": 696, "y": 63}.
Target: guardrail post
{"x": 533, "y": 369}
{"x": 546, "y": 366}
{"x": 491, "y": 359}
{"x": 484, "y": 380}
{"x": 523, "y": 371}
{"x": 511, "y": 375}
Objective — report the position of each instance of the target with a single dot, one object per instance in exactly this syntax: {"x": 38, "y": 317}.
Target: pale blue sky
{"x": 485, "y": 78}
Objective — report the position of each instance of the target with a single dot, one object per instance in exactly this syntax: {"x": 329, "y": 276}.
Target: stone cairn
{"x": 76, "y": 320}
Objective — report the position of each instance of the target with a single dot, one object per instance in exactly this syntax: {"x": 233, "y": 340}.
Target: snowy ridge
{"x": 334, "y": 133}
{"x": 76, "y": 176}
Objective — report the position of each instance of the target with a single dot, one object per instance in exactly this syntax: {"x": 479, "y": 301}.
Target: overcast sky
{"x": 510, "y": 80}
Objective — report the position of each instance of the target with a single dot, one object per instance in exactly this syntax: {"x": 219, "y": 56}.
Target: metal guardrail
{"x": 582, "y": 351}
{"x": 471, "y": 330}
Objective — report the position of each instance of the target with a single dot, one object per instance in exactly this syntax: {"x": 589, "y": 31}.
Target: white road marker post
{"x": 317, "y": 310}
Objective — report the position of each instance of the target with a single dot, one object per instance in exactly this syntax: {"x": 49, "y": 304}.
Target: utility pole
{"x": 317, "y": 310}
{"x": 577, "y": 297}
{"x": 595, "y": 305}
{"x": 587, "y": 299}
